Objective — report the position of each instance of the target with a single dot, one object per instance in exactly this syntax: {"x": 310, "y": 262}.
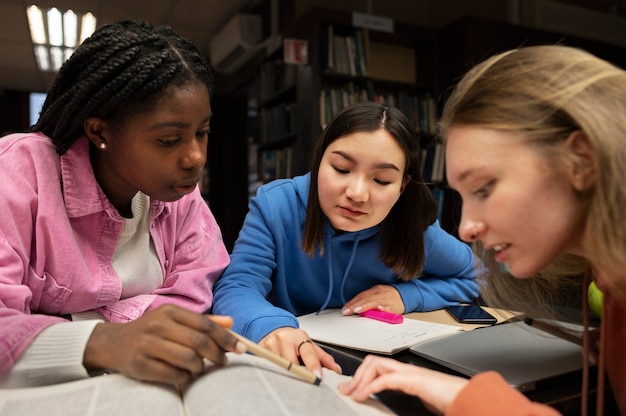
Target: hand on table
{"x": 436, "y": 390}
{"x": 167, "y": 344}
{"x": 383, "y": 297}
{"x": 295, "y": 345}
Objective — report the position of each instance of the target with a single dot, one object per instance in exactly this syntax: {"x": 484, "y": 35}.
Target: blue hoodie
{"x": 271, "y": 280}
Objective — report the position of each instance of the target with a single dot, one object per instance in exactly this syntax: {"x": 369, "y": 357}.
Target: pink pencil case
{"x": 384, "y": 316}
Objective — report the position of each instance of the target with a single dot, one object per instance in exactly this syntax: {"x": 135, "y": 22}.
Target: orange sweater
{"x": 488, "y": 393}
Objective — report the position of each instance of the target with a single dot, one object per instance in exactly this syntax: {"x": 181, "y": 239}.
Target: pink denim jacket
{"x": 58, "y": 232}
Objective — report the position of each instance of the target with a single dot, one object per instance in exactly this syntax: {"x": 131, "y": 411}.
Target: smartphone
{"x": 471, "y": 314}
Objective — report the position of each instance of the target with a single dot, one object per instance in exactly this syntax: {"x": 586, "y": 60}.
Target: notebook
{"x": 523, "y": 355}
{"x": 365, "y": 334}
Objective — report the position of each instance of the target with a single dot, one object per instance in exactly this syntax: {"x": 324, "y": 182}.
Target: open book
{"x": 365, "y": 334}
{"x": 247, "y": 385}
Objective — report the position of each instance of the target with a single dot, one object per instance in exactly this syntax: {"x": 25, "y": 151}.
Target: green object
{"x": 594, "y": 298}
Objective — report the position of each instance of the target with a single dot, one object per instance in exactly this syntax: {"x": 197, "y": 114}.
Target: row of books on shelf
{"x": 343, "y": 50}
{"x": 433, "y": 164}
{"x": 275, "y": 76}
{"x": 419, "y": 108}
{"x": 275, "y": 163}
{"x": 277, "y": 123}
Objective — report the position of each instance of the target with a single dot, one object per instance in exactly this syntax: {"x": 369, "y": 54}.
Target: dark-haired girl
{"x": 358, "y": 232}
{"x": 108, "y": 252}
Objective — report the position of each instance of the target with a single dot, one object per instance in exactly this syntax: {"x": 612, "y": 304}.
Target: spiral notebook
{"x": 523, "y": 355}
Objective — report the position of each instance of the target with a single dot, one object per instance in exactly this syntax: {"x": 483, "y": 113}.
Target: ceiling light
{"x": 35, "y": 22}
{"x": 56, "y": 37}
{"x": 55, "y": 27}
{"x": 70, "y": 29}
{"x": 87, "y": 26}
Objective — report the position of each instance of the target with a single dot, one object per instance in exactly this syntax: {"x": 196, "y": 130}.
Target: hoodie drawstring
{"x": 329, "y": 263}
{"x": 345, "y": 274}
{"x": 344, "y": 279}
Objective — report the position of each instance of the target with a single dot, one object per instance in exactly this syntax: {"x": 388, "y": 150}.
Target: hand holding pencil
{"x": 259, "y": 351}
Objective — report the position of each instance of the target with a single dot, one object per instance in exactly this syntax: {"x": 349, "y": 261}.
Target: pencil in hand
{"x": 259, "y": 351}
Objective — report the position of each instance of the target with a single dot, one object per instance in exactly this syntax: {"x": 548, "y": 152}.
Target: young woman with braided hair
{"x": 108, "y": 252}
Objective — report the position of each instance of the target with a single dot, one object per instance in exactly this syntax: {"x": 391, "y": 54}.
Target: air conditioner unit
{"x": 236, "y": 43}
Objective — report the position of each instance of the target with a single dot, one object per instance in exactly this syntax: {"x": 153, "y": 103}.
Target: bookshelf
{"x": 278, "y": 145}
{"x": 355, "y": 64}
{"x": 346, "y": 64}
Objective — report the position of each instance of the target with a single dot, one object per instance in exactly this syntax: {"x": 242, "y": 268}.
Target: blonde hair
{"x": 543, "y": 94}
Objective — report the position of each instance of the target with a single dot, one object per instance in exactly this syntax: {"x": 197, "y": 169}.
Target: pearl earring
{"x": 103, "y": 145}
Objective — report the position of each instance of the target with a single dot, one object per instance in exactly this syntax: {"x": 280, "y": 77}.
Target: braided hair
{"x": 121, "y": 70}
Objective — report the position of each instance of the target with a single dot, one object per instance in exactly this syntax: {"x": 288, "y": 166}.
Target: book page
{"x": 370, "y": 335}
{"x": 250, "y": 385}
{"x": 246, "y": 385}
{"x": 110, "y": 395}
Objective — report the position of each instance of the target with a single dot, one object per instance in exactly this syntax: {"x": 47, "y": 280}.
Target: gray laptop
{"x": 523, "y": 355}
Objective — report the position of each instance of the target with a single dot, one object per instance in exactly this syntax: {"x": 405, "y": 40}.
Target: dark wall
{"x": 228, "y": 165}
{"x": 469, "y": 41}
{"x": 14, "y": 111}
